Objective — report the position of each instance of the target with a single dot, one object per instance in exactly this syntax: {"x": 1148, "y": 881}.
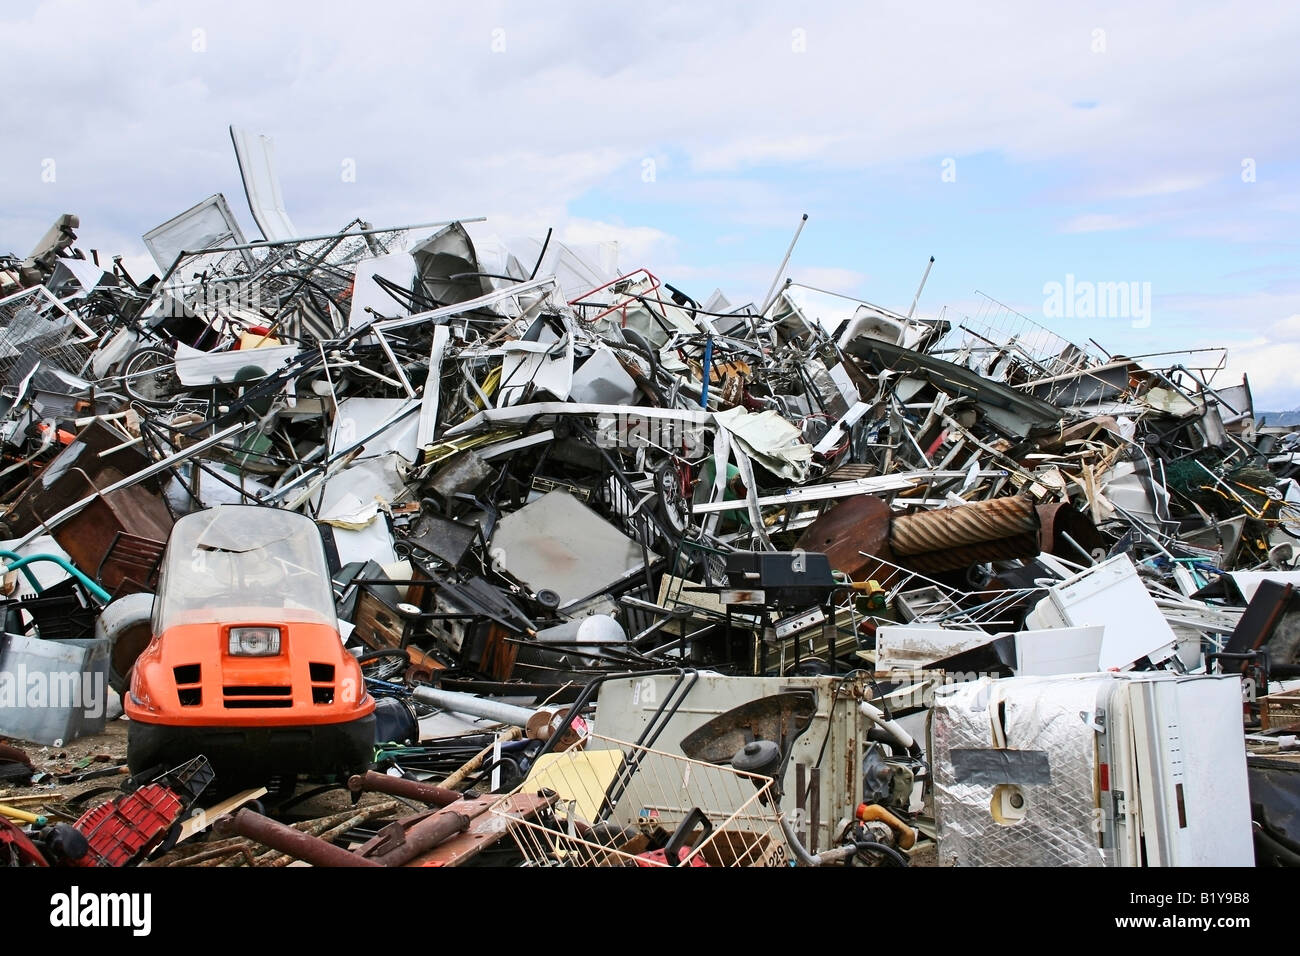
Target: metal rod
{"x": 474, "y": 706}
{"x": 372, "y": 782}
{"x": 708, "y": 369}
{"x": 771, "y": 292}
{"x": 917, "y": 298}
{"x": 328, "y": 235}
{"x": 86, "y": 582}
{"x": 397, "y": 366}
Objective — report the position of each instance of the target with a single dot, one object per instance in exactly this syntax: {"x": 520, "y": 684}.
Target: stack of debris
{"x": 534, "y": 472}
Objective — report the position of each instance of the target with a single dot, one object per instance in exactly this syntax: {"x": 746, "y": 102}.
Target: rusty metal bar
{"x": 318, "y": 827}
{"x": 330, "y": 828}
{"x": 372, "y": 782}
{"x": 287, "y": 840}
{"x": 420, "y": 838}
{"x": 275, "y": 858}
{"x": 207, "y": 857}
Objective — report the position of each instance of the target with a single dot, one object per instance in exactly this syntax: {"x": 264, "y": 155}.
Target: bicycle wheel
{"x": 149, "y": 376}
{"x": 1288, "y": 518}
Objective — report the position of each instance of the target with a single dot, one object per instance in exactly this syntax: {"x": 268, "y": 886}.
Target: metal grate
{"x": 1005, "y": 345}
{"x": 926, "y": 601}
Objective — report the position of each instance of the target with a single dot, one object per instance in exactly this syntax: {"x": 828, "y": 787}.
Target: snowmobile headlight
{"x": 254, "y": 641}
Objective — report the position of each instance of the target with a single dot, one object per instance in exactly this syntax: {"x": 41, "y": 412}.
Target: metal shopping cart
{"x": 618, "y": 804}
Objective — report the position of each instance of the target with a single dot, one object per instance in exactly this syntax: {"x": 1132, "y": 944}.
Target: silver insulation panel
{"x": 1029, "y": 740}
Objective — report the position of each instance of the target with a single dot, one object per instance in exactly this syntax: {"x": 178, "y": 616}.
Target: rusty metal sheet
{"x": 53, "y": 489}
{"x": 1059, "y": 520}
{"x": 118, "y": 538}
{"x": 485, "y": 829}
{"x": 853, "y": 526}
{"x": 773, "y": 718}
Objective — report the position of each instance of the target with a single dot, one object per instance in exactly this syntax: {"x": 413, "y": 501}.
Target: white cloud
{"x": 637, "y": 245}
{"x": 1101, "y": 222}
{"x": 759, "y": 150}
{"x": 1261, "y": 333}
{"x": 1271, "y": 366}
{"x": 440, "y": 123}
{"x": 1288, "y": 328}
{"x": 545, "y": 131}
{"x": 1164, "y": 186}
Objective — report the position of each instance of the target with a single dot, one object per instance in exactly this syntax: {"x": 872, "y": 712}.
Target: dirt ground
{"x": 57, "y": 769}
{"x": 103, "y": 755}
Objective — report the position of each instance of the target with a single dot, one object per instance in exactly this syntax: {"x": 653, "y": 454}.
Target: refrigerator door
{"x": 1191, "y": 759}
{"x": 1119, "y": 805}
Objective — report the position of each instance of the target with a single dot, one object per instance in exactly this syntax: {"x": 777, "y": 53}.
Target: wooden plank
{"x": 1279, "y": 711}
{"x": 200, "y": 821}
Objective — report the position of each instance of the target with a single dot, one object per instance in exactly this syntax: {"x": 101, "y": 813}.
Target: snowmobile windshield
{"x": 234, "y": 562}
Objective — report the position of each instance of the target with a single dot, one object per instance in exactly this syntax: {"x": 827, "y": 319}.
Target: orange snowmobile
{"x": 246, "y": 665}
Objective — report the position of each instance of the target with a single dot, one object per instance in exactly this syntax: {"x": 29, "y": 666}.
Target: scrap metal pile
{"x": 574, "y": 459}
{"x": 534, "y": 468}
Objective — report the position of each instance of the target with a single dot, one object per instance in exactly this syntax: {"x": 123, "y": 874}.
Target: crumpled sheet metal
{"x": 1050, "y": 716}
{"x": 771, "y": 439}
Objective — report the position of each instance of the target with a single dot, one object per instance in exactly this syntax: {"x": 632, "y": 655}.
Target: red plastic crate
{"x": 121, "y": 830}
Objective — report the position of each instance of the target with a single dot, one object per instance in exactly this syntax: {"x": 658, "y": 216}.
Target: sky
{"x": 1027, "y": 147}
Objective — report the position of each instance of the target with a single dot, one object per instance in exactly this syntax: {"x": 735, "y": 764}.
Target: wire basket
{"x": 609, "y": 800}
{"x": 35, "y": 326}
